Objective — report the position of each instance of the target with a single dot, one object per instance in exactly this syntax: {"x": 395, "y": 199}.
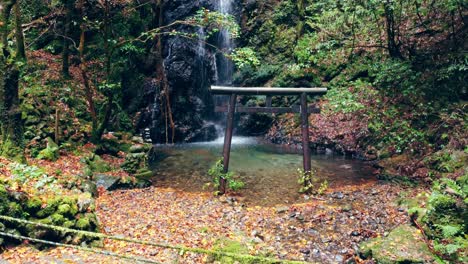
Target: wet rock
{"x": 138, "y": 140}
{"x": 312, "y": 232}
{"x": 105, "y": 181}
{"x": 140, "y": 148}
{"x": 338, "y": 259}
{"x": 345, "y": 166}
{"x": 337, "y": 195}
{"x": 404, "y": 244}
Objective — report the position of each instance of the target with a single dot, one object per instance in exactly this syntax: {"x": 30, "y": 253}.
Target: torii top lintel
{"x": 266, "y": 90}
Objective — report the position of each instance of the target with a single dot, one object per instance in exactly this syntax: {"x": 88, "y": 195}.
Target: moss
{"x": 144, "y": 174}
{"x": 49, "y": 209}
{"x": 51, "y": 152}
{"x": 15, "y": 209}
{"x": 404, "y": 244}
{"x": 231, "y": 246}
{"x": 57, "y": 219}
{"x": 3, "y": 199}
{"x": 68, "y": 224}
{"x": 33, "y": 205}
{"x": 83, "y": 223}
{"x": 45, "y": 221}
{"x": 96, "y": 164}
{"x": 64, "y": 209}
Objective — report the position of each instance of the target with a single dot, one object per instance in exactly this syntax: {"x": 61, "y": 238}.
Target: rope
{"x": 102, "y": 252}
{"x": 148, "y": 243}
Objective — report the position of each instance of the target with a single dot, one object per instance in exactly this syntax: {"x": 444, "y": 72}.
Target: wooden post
{"x": 305, "y": 134}
{"x": 227, "y": 140}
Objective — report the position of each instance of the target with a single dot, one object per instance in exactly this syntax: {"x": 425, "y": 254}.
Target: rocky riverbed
{"x": 325, "y": 229}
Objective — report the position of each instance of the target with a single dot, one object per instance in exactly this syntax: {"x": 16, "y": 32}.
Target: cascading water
{"x": 223, "y": 64}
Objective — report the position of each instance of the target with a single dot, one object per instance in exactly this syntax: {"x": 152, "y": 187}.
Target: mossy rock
{"x": 51, "y": 152}
{"x": 33, "y": 205}
{"x": 140, "y": 148}
{"x": 14, "y": 209}
{"x": 49, "y": 209}
{"x": 231, "y": 246}
{"x": 64, "y": 209}
{"x": 2, "y": 228}
{"x": 83, "y": 223}
{"x": 144, "y": 174}
{"x": 57, "y": 219}
{"x": 3, "y": 199}
{"x": 404, "y": 244}
{"x": 96, "y": 164}
{"x": 68, "y": 224}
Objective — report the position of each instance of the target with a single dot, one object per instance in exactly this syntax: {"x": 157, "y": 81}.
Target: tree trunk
{"x": 393, "y": 46}
{"x": 10, "y": 114}
{"x": 97, "y": 134}
{"x": 21, "y": 51}
{"x": 66, "y": 41}
{"x": 300, "y": 24}
{"x": 89, "y": 94}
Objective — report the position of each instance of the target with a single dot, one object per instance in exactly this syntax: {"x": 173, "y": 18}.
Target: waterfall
{"x": 201, "y": 54}
{"x": 224, "y": 66}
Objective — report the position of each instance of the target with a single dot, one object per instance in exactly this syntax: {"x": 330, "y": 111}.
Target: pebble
{"x": 282, "y": 209}
{"x": 257, "y": 240}
{"x": 305, "y": 251}
{"x": 355, "y": 233}
{"x": 338, "y": 195}
{"x": 312, "y": 232}
{"x": 339, "y": 259}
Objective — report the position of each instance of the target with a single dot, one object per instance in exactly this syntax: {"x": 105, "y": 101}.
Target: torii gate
{"x": 269, "y": 92}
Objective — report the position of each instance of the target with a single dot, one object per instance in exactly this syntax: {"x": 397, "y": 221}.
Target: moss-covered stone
{"x": 33, "y": 205}
{"x": 57, "y": 219}
{"x": 51, "y": 152}
{"x": 83, "y": 223}
{"x": 68, "y": 224}
{"x": 49, "y": 209}
{"x": 144, "y": 173}
{"x": 96, "y": 164}
{"x": 64, "y": 209}
{"x": 14, "y": 209}
{"x": 404, "y": 244}
{"x": 140, "y": 148}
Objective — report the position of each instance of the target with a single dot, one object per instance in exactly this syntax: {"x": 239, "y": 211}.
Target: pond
{"x": 269, "y": 171}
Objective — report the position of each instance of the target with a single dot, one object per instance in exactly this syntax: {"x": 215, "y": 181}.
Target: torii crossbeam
{"x": 304, "y": 109}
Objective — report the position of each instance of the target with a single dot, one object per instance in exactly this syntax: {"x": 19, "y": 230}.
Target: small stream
{"x": 269, "y": 171}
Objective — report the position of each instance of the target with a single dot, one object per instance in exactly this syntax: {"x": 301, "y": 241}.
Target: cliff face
{"x": 190, "y": 69}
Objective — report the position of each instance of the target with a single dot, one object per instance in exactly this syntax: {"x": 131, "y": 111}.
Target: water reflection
{"x": 269, "y": 171}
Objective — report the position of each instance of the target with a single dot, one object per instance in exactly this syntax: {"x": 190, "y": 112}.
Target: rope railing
{"x": 102, "y": 252}
{"x": 137, "y": 241}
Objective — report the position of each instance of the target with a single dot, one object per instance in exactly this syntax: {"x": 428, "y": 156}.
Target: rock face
{"x": 190, "y": 70}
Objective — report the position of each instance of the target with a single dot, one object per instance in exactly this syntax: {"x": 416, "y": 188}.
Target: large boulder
{"x": 404, "y": 244}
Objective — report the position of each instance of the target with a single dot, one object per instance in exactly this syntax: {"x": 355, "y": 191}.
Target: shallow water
{"x": 269, "y": 171}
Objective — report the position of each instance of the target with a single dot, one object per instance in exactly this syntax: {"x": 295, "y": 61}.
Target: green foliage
{"x": 94, "y": 163}
{"x": 23, "y": 174}
{"x": 217, "y": 173}
{"x": 244, "y": 57}
{"x": 295, "y": 76}
{"x": 445, "y": 217}
{"x": 214, "y": 22}
{"x": 309, "y": 182}
{"x": 51, "y": 152}
{"x": 347, "y": 100}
